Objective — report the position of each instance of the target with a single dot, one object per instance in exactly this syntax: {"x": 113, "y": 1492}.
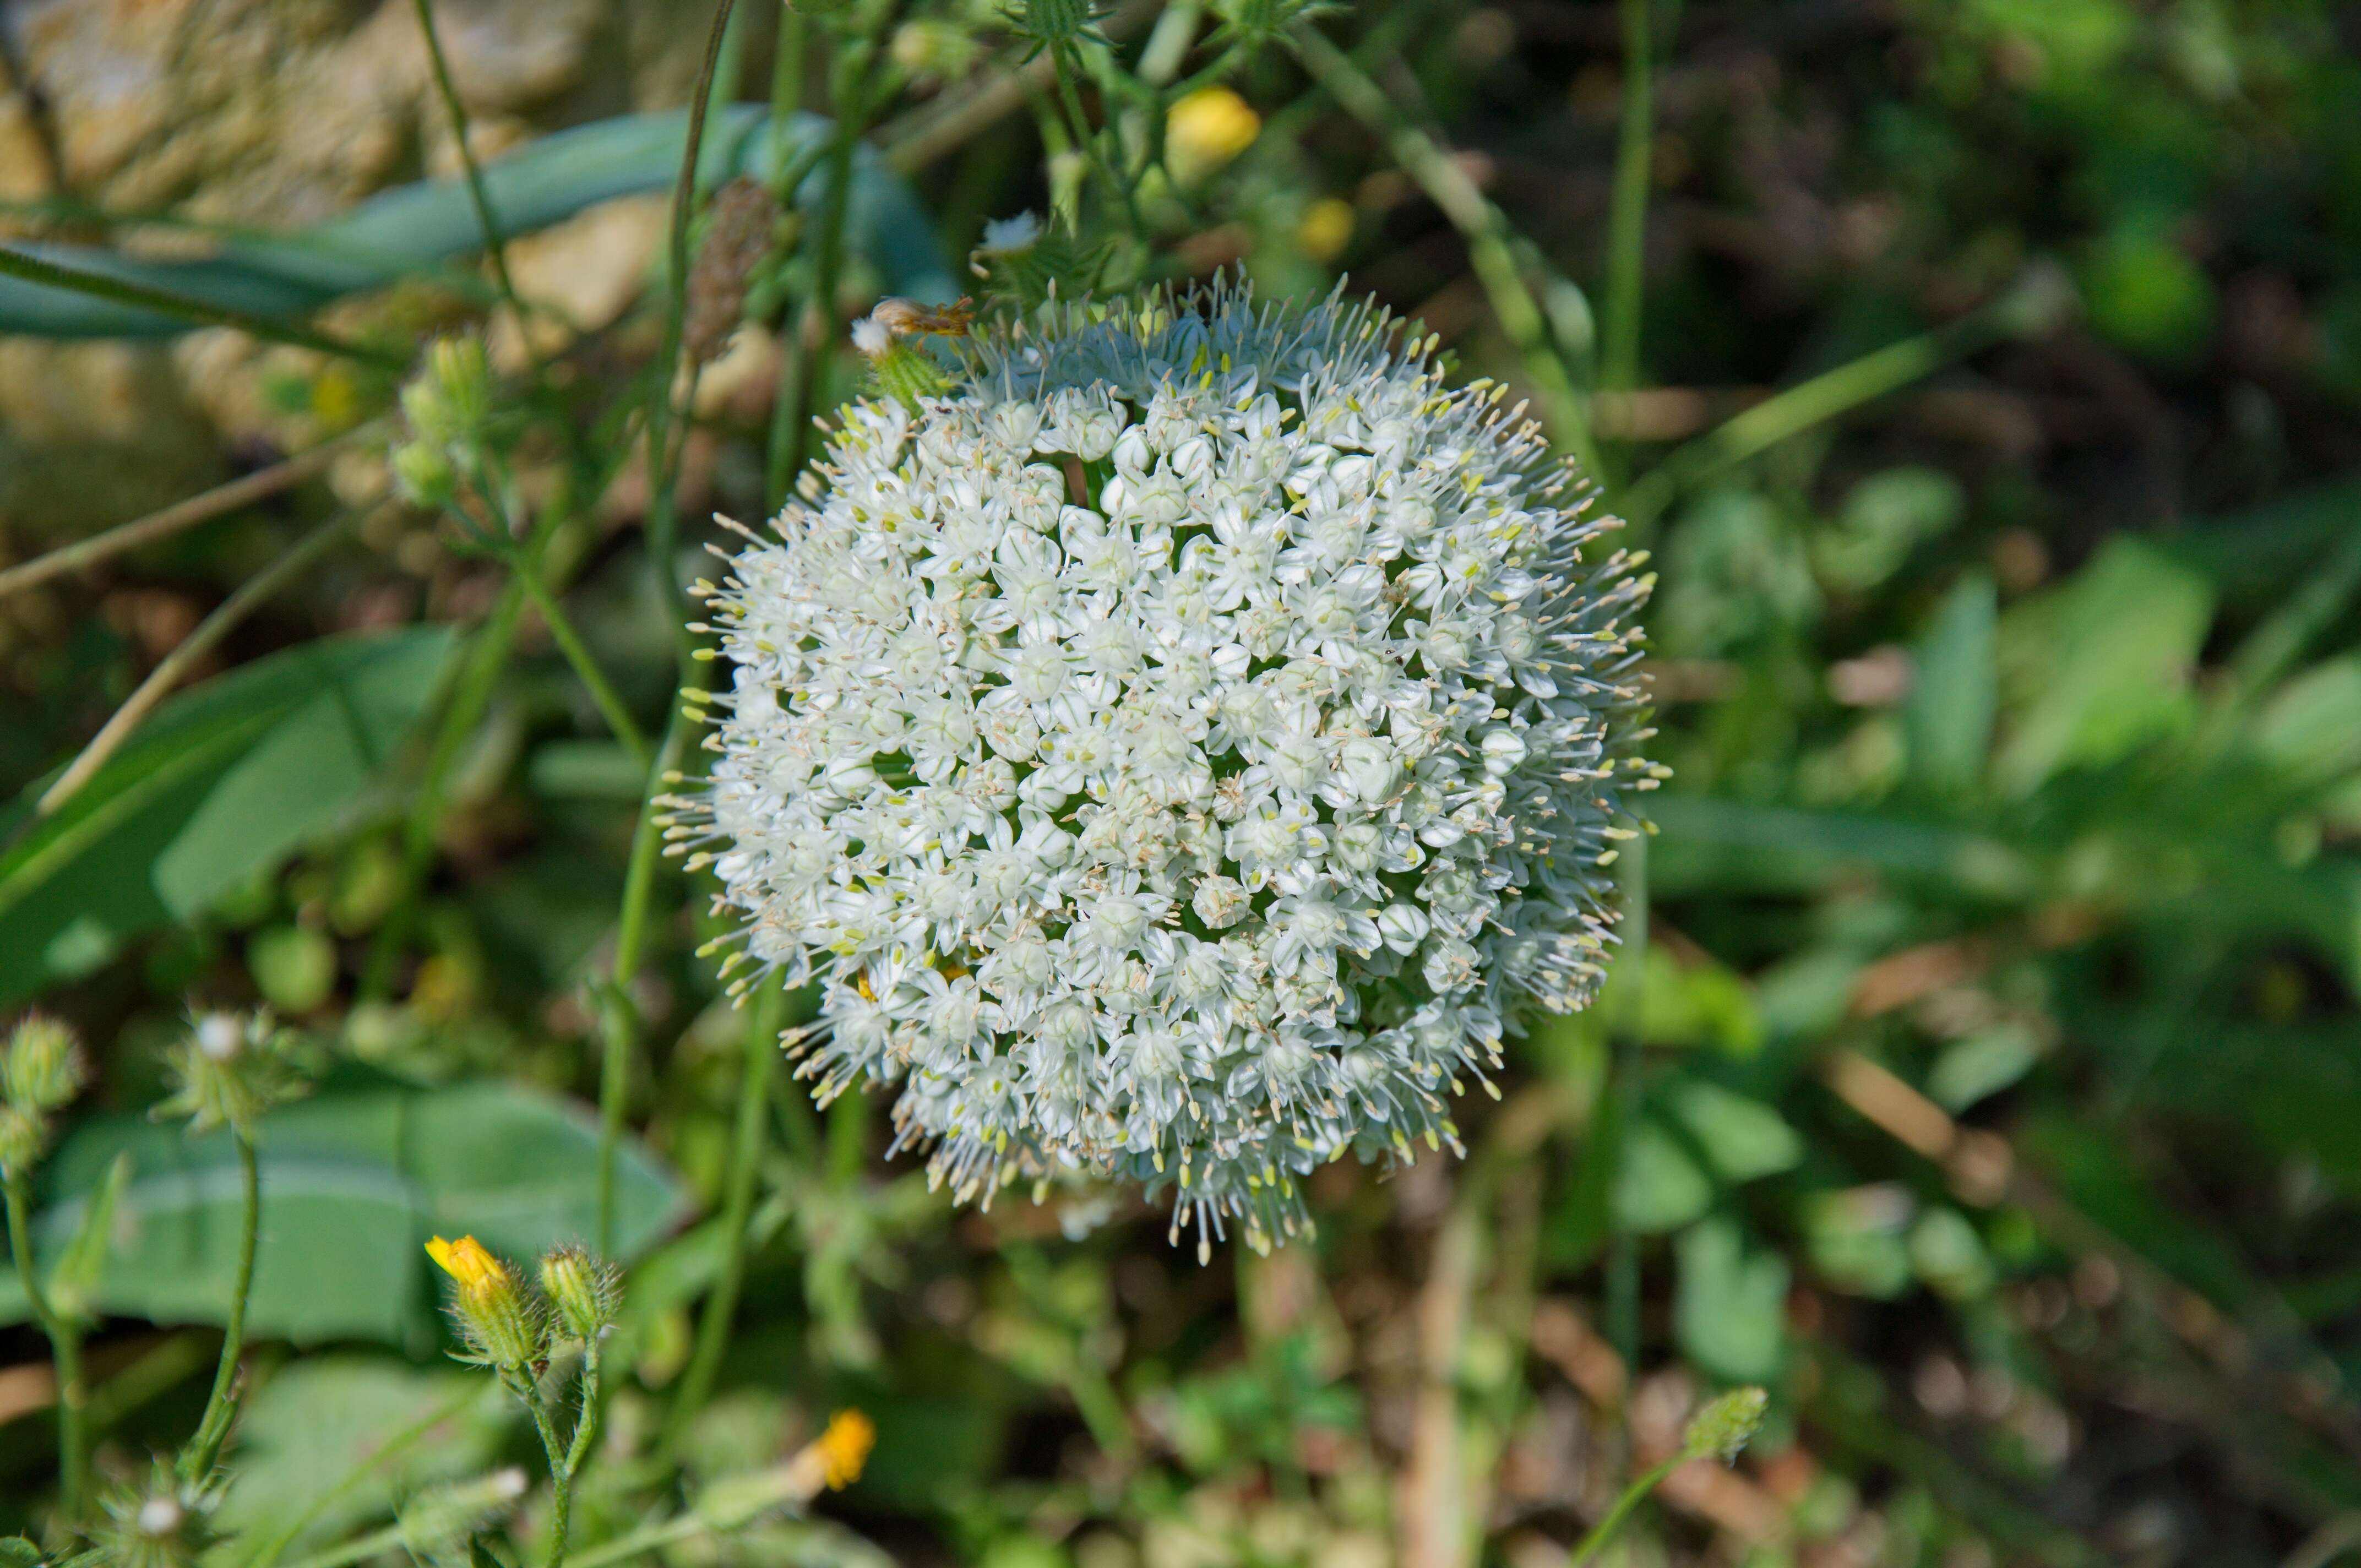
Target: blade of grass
{"x": 16, "y": 263}
{"x": 181, "y": 516}
{"x": 208, "y": 635}
{"x": 1627, "y": 222}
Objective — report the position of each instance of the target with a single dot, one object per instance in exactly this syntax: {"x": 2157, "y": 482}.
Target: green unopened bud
{"x": 582, "y": 1291}
{"x": 423, "y": 475}
{"x": 42, "y": 1068}
{"x": 463, "y": 374}
{"x": 933, "y": 49}
{"x": 503, "y": 1325}
{"x": 1726, "y": 1425}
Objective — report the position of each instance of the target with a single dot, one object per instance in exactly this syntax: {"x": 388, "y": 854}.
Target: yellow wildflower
{"x": 1326, "y": 228}
{"x": 466, "y": 1260}
{"x": 844, "y": 1447}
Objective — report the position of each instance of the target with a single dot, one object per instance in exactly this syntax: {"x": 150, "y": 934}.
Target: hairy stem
{"x": 221, "y": 1406}
{"x": 65, "y": 1351}
{"x": 495, "y": 243}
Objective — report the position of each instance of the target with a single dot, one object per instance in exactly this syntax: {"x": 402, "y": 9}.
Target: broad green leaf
{"x": 1949, "y": 717}
{"x": 318, "y": 1421}
{"x": 223, "y": 782}
{"x": 2102, "y": 663}
{"x": 397, "y": 232}
{"x": 1743, "y": 1139}
{"x": 1730, "y": 1302}
{"x": 355, "y": 1179}
{"x": 2312, "y": 727}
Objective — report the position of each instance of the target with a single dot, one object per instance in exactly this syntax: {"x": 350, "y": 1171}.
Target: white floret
{"x": 1176, "y": 750}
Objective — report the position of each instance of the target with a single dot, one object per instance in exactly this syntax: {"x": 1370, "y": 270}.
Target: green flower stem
{"x": 586, "y": 667}
{"x": 1606, "y": 1530}
{"x": 209, "y": 633}
{"x": 770, "y": 1013}
{"x": 647, "y": 1538}
{"x": 385, "y": 1453}
{"x": 1490, "y": 248}
{"x": 15, "y": 263}
{"x": 495, "y": 243}
{"x": 65, "y": 1350}
{"x": 221, "y": 1406}
{"x": 620, "y": 1019}
{"x": 1627, "y": 221}
{"x": 566, "y": 1459}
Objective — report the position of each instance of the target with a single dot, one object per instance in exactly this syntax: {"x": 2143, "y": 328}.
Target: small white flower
{"x": 1178, "y": 749}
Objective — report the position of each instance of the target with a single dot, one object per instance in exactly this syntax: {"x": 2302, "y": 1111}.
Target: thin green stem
{"x": 65, "y": 1350}
{"x": 1491, "y": 251}
{"x": 1627, "y": 221}
{"x": 647, "y": 1538}
{"x": 1607, "y": 1528}
{"x": 769, "y": 1014}
{"x": 495, "y": 243}
{"x": 181, "y": 516}
{"x": 663, "y": 469}
{"x": 15, "y": 263}
{"x": 619, "y": 1022}
{"x": 577, "y": 654}
{"x": 1065, "y": 69}
{"x": 221, "y": 1406}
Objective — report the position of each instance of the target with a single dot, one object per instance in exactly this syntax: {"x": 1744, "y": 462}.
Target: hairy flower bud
{"x": 1725, "y": 1425}
{"x": 1181, "y": 746}
{"x": 584, "y": 1293}
{"x": 41, "y": 1068}
{"x": 502, "y": 1324}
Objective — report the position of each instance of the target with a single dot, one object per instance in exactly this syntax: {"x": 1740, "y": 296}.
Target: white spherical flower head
{"x": 1179, "y": 750}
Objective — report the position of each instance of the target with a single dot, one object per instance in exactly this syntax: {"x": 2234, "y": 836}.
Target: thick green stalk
{"x": 221, "y": 1406}
{"x": 770, "y": 1011}
{"x": 15, "y": 263}
{"x": 65, "y": 1350}
{"x": 1627, "y": 221}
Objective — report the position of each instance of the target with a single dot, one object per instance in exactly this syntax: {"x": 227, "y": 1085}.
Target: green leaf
{"x": 16, "y": 1551}
{"x": 1744, "y": 1139}
{"x": 1948, "y": 719}
{"x": 318, "y": 1420}
{"x": 1950, "y": 1255}
{"x": 1729, "y": 1304}
{"x": 355, "y": 1179}
{"x": 222, "y": 784}
{"x": 2104, "y": 663}
{"x": 1855, "y": 1239}
{"x": 1982, "y": 1065}
{"x": 1733, "y": 846}
{"x": 395, "y": 234}
{"x": 75, "y": 1278}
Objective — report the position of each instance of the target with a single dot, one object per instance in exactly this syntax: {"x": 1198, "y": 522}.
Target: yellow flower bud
{"x": 844, "y": 1447}
{"x": 1326, "y": 228}
{"x": 502, "y": 1325}
{"x": 1206, "y": 129}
